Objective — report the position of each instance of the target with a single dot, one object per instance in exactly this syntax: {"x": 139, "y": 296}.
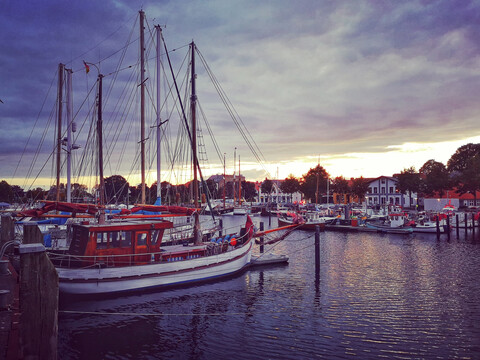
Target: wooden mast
{"x": 69, "y": 135}
{"x": 193, "y": 105}
{"x": 61, "y": 69}
{"x": 224, "y": 181}
{"x": 142, "y": 103}
{"x": 239, "y": 183}
{"x": 101, "y": 219}
{"x": 159, "y": 120}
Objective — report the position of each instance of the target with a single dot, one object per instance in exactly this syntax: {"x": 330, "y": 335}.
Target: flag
{"x": 87, "y": 68}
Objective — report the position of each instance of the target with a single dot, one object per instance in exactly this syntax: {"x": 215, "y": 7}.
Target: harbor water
{"x": 377, "y": 296}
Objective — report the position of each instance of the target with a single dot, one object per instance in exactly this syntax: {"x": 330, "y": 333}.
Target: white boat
{"x": 389, "y": 229}
{"x": 129, "y": 256}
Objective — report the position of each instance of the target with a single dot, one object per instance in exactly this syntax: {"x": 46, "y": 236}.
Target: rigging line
{"x": 40, "y": 144}
{"x": 215, "y": 144}
{"x": 108, "y": 37}
{"x": 120, "y": 62}
{"x": 231, "y": 109}
{"x": 36, "y": 121}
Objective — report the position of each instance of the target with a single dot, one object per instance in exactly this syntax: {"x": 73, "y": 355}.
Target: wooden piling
{"x": 466, "y": 222}
{"x": 473, "y": 225}
{"x": 38, "y": 297}
{"x": 8, "y": 229}
{"x": 448, "y": 227}
{"x": 438, "y": 227}
{"x": 220, "y": 231}
{"x": 261, "y": 238}
{"x": 457, "y": 225}
{"x": 317, "y": 251}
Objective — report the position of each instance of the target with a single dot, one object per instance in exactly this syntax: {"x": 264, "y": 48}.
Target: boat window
{"x": 141, "y": 239}
{"x": 102, "y": 240}
{"x": 126, "y": 238}
{"x": 155, "y": 237}
{"x": 115, "y": 239}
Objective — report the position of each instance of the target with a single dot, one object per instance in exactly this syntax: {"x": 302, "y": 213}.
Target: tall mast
{"x": 234, "y": 166}
{"x": 239, "y": 183}
{"x": 61, "y": 69}
{"x": 142, "y": 103}
{"x": 101, "y": 219}
{"x": 193, "y": 105}
{"x": 69, "y": 135}
{"x": 159, "y": 120}
{"x": 224, "y": 181}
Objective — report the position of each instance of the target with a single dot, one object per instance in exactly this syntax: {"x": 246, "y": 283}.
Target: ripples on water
{"x": 378, "y": 297}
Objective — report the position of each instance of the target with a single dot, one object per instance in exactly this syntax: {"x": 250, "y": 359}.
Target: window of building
{"x": 383, "y": 181}
{"x": 383, "y": 189}
{"x": 375, "y": 190}
{"x": 391, "y": 190}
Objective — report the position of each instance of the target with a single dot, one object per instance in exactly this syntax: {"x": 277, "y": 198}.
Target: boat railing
{"x": 106, "y": 261}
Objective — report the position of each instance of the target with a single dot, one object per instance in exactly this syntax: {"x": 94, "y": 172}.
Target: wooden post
{"x": 438, "y": 227}
{"x": 7, "y": 229}
{"x": 317, "y": 251}
{"x": 457, "y": 225}
{"x": 38, "y": 298}
{"x": 466, "y": 221}
{"x": 220, "y": 232}
{"x": 448, "y": 227}
{"x": 473, "y": 225}
{"x": 262, "y": 227}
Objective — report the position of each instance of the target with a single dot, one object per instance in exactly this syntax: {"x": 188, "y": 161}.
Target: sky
{"x": 365, "y": 88}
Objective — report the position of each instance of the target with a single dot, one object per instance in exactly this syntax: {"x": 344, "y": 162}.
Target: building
{"x": 277, "y": 195}
{"x": 437, "y": 202}
{"x": 383, "y": 191}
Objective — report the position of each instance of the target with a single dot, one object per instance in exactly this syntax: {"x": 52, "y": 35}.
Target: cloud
{"x": 306, "y": 78}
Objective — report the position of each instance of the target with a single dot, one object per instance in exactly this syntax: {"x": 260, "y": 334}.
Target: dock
{"x": 268, "y": 259}
{"x": 348, "y": 228}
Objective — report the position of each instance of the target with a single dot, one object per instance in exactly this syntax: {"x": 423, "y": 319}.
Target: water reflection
{"x": 376, "y": 296}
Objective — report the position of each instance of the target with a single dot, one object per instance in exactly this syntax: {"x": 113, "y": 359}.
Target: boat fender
{"x": 233, "y": 242}
{"x": 152, "y": 258}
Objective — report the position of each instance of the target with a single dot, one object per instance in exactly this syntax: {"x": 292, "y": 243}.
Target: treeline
{"x": 462, "y": 172}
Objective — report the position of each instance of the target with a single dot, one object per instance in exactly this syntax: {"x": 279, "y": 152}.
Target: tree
{"x": 6, "y": 192}
{"x": 409, "y": 181}
{"x": 267, "y": 186}
{"x": 340, "y": 186}
{"x": 464, "y": 168}
{"x": 290, "y": 185}
{"x": 469, "y": 179}
{"x": 79, "y": 192}
{"x": 435, "y": 177}
{"x": 359, "y": 188}
{"x": 249, "y": 191}
{"x": 315, "y": 178}
{"x": 459, "y": 160}
{"x": 116, "y": 188}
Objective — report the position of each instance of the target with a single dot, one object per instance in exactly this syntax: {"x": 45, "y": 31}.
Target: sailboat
{"x": 127, "y": 255}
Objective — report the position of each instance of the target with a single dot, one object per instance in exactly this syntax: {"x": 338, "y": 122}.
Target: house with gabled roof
{"x": 383, "y": 190}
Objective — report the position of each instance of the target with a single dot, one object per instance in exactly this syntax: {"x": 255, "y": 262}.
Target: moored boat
{"x": 306, "y": 221}
{"x": 389, "y": 229}
{"x": 129, "y": 256}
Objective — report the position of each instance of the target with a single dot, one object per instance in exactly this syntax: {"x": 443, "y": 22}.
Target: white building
{"x": 277, "y": 195}
{"x": 383, "y": 191}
